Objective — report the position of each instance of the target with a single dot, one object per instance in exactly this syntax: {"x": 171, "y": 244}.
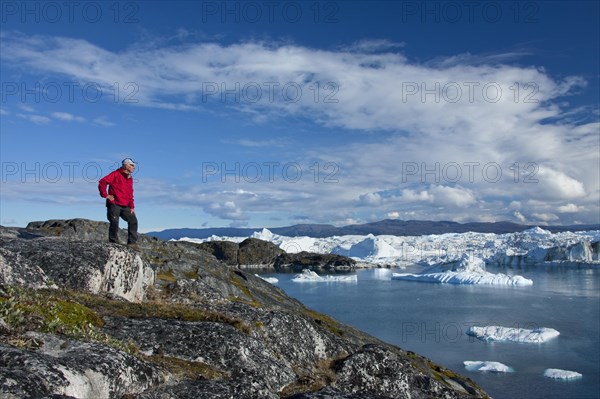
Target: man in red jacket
{"x": 119, "y": 202}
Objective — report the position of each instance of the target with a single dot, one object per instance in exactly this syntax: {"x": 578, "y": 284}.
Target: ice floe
{"x": 494, "y": 367}
{"x": 559, "y": 374}
{"x": 310, "y": 276}
{"x": 511, "y": 334}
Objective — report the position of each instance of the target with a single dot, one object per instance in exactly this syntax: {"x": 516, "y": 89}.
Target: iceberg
{"x": 494, "y": 367}
{"x": 559, "y": 374}
{"x": 509, "y": 334}
{"x": 271, "y": 280}
{"x": 529, "y": 247}
{"x": 470, "y": 270}
{"x": 308, "y": 276}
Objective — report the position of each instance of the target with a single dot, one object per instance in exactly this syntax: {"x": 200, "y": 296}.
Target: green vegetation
{"x": 79, "y": 315}
{"x": 166, "y": 275}
{"x": 27, "y": 310}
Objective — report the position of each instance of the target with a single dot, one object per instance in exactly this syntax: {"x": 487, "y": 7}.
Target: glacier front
{"x": 533, "y": 246}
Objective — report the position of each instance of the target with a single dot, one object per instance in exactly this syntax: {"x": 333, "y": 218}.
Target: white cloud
{"x": 65, "y": 116}
{"x": 103, "y": 121}
{"x": 37, "y": 119}
{"x": 558, "y": 185}
{"x": 26, "y": 108}
{"x": 570, "y": 208}
{"x": 369, "y": 199}
{"x": 545, "y": 217}
{"x": 226, "y": 210}
{"x": 458, "y": 110}
{"x": 452, "y": 196}
{"x": 520, "y": 217}
{"x": 409, "y": 195}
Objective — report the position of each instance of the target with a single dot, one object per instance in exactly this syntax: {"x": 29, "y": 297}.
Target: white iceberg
{"x": 559, "y": 374}
{"x": 470, "y": 270}
{"x": 510, "y": 334}
{"x": 272, "y": 280}
{"x": 494, "y": 367}
{"x": 310, "y": 276}
{"x": 533, "y": 246}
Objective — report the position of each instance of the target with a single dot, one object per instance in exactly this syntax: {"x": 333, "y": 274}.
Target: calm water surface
{"x": 431, "y": 319}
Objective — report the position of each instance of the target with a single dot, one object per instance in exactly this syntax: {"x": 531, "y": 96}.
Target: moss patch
{"x": 166, "y": 275}
{"x": 49, "y": 311}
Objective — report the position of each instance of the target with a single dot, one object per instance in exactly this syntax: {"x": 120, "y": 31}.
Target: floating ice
{"x": 470, "y": 270}
{"x": 559, "y": 374}
{"x": 494, "y": 367}
{"x": 271, "y": 280}
{"x": 509, "y": 334}
{"x": 531, "y": 246}
{"x": 310, "y": 276}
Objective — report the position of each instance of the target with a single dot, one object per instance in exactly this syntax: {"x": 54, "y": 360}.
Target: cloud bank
{"x": 462, "y": 138}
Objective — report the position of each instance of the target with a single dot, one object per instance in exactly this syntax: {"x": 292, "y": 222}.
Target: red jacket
{"x": 120, "y": 185}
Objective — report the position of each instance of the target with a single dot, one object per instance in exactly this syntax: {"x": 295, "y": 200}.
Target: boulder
{"x": 313, "y": 261}
{"x": 73, "y": 369}
{"x": 255, "y": 252}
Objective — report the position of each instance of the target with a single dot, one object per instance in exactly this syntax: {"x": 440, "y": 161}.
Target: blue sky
{"x": 266, "y": 114}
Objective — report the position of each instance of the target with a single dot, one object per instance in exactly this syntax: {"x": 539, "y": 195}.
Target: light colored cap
{"x": 128, "y": 161}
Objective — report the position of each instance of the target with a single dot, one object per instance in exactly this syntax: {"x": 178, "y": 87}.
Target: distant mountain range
{"x": 383, "y": 227}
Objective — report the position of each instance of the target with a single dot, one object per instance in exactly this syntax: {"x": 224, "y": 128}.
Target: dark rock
{"x": 313, "y": 261}
{"x": 250, "y": 253}
{"x": 225, "y": 251}
{"x": 255, "y": 252}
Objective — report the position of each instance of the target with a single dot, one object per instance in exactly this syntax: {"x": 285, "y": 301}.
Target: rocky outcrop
{"x": 80, "y": 265}
{"x": 258, "y": 252}
{"x": 253, "y": 252}
{"x": 196, "y": 328}
{"x": 225, "y": 251}
{"x": 307, "y": 260}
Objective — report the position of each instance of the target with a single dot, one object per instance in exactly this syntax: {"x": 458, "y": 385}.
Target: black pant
{"x": 113, "y": 213}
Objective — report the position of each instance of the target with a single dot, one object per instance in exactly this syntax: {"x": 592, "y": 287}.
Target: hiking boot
{"x": 116, "y": 242}
{"x": 135, "y": 247}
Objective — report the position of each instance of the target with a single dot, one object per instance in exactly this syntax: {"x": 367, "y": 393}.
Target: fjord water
{"x": 431, "y": 319}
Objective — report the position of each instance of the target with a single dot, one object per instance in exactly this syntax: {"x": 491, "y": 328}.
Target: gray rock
{"x": 80, "y": 265}
{"x": 258, "y": 252}
{"x": 214, "y": 389}
{"x": 218, "y": 345}
{"x": 73, "y": 369}
{"x": 377, "y": 370}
